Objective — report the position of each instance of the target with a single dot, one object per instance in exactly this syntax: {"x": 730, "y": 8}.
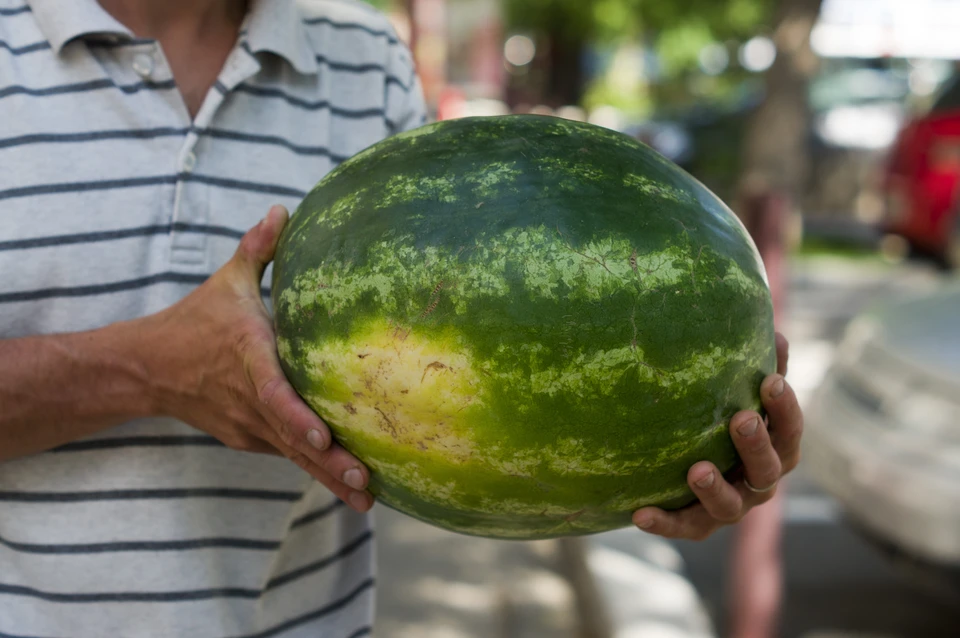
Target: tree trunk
{"x": 565, "y": 75}
{"x": 776, "y": 157}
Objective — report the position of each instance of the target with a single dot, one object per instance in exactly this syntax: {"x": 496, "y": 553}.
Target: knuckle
{"x": 662, "y": 530}
{"x": 239, "y": 441}
{"x": 769, "y": 474}
{"x": 701, "y": 534}
{"x": 248, "y": 444}
{"x": 300, "y": 460}
{"x": 787, "y": 444}
{"x": 775, "y": 472}
{"x": 267, "y": 390}
{"x": 728, "y": 511}
{"x": 250, "y": 334}
{"x": 790, "y": 463}
{"x": 731, "y": 515}
{"x": 236, "y": 394}
{"x": 285, "y": 432}
{"x": 657, "y": 526}
{"x": 244, "y": 339}
{"x": 757, "y": 445}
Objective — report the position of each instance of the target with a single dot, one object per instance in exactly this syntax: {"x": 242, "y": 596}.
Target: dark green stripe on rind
{"x": 588, "y": 314}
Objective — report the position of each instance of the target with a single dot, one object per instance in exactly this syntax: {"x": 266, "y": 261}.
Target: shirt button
{"x": 143, "y": 65}
{"x": 189, "y": 162}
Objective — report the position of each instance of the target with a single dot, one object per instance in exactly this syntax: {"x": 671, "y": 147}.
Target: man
{"x": 146, "y": 430}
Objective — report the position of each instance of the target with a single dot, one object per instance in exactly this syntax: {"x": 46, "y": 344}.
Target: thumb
{"x": 259, "y": 244}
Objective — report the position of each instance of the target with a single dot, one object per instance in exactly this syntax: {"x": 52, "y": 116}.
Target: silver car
{"x": 883, "y": 429}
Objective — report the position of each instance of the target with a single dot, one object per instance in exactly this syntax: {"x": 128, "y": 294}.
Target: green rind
{"x": 606, "y": 315}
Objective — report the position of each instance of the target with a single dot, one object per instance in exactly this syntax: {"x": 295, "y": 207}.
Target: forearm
{"x": 58, "y": 388}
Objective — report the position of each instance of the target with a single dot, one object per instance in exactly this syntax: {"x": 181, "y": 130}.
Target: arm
{"x": 210, "y": 361}
{"x": 58, "y": 388}
{"x": 767, "y": 454}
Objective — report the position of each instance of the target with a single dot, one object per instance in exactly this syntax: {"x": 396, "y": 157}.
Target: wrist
{"x": 170, "y": 349}
{"x": 125, "y": 349}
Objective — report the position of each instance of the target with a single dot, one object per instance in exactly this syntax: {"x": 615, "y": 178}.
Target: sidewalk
{"x": 435, "y": 584}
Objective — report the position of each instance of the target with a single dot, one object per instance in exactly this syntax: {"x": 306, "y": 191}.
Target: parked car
{"x": 883, "y": 432}
{"x": 922, "y": 179}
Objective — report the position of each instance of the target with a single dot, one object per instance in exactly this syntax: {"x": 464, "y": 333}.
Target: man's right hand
{"x": 212, "y": 363}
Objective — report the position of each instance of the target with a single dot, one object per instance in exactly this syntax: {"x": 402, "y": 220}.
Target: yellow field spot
{"x": 398, "y": 386}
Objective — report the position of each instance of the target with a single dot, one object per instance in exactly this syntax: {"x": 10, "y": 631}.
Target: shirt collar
{"x": 61, "y": 22}
{"x": 271, "y": 25}
{"x": 277, "y": 26}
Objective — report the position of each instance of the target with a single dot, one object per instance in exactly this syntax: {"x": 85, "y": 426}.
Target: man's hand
{"x": 214, "y": 364}
{"x": 767, "y": 455}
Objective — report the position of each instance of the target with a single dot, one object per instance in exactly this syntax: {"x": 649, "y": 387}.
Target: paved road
{"x": 837, "y": 585}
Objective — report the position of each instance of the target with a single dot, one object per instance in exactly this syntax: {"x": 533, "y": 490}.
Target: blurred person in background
{"x": 756, "y": 561}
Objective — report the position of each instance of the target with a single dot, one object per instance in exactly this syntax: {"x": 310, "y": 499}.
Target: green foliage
{"x": 604, "y": 91}
{"x": 571, "y": 19}
{"x": 613, "y": 19}
{"x": 677, "y": 29}
{"x": 679, "y": 46}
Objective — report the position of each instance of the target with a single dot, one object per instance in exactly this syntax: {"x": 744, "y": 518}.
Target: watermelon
{"x": 526, "y": 327}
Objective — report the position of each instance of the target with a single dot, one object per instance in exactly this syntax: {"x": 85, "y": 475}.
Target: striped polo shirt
{"x": 114, "y": 205}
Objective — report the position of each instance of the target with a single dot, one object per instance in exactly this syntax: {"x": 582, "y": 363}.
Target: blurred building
{"x": 888, "y": 28}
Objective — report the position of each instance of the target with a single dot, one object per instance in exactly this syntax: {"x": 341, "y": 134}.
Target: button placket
{"x": 189, "y": 162}
{"x": 192, "y": 198}
{"x": 189, "y": 208}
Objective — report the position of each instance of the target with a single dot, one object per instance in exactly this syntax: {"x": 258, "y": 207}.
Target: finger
{"x": 242, "y": 439}
{"x": 258, "y": 245}
{"x": 783, "y": 353}
{"x": 690, "y": 523}
{"x": 301, "y": 429}
{"x": 786, "y": 420}
{"x": 259, "y": 446}
{"x": 719, "y": 498}
{"x": 298, "y": 426}
{"x": 359, "y": 500}
{"x": 761, "y": 464}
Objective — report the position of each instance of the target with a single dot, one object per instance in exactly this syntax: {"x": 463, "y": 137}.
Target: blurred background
{"x": 832, "y": 128}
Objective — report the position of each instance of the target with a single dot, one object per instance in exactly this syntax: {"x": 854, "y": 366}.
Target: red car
{"x": 922, "y": 181}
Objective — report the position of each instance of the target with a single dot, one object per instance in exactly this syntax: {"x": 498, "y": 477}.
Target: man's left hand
{"x": 768, "y": 451}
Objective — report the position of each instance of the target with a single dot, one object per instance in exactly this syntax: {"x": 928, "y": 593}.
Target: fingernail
{"x": 354, "y": 478}
{"x": 777, "y": 388}
{"x": 359, "y": 501}
{"x": 749, "y": 428}
{"x": 317, "y": 440}
{"x": 706, "y": 481}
